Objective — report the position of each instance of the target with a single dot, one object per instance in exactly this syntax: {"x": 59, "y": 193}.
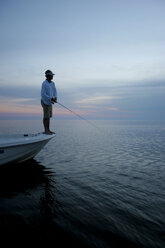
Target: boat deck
{"x": 21, "y": 139}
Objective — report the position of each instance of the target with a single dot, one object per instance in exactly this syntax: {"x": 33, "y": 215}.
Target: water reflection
{"x": 27, "y": 201}
{"x": 21, "y": 177}
{"x": 48, "y": 201}
{"x": 29, "y": 206}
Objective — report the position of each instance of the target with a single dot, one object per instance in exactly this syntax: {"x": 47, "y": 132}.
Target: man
{"x": 48, "y": 97}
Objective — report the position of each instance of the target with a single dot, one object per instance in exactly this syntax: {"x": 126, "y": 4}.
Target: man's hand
{"x": 54, "y": 99}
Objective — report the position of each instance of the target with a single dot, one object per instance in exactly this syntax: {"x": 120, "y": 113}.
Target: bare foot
{"x": 48, "y": 133}
{"x": 52, "y": 132}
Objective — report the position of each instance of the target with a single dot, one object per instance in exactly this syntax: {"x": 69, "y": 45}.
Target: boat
{"x": 21, "y": 147}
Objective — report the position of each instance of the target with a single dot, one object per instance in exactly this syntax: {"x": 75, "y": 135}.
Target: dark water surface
{"x": 87, "y": 188}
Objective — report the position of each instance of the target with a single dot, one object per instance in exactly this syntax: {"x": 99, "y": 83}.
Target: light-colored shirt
{"x": 48, "y": 91}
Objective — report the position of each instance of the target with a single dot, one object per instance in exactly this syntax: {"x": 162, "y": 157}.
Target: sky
{"x": 108, "y": 57}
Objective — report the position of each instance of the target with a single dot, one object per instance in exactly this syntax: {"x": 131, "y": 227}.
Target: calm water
{"x": 88, "y": 188}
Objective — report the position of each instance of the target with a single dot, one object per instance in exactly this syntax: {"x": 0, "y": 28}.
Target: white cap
{"x": 49, "y": 73}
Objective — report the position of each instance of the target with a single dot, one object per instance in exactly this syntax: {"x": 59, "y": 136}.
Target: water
{"x": 88, "y": 188}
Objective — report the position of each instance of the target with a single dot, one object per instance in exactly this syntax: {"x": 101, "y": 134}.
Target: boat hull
{"x": 22, "y": 151}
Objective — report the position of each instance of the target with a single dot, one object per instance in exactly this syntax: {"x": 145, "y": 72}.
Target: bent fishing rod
{"x": 89, "y": 122}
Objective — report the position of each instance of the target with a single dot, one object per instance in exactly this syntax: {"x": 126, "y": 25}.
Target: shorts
{"x": 47, "y": 110}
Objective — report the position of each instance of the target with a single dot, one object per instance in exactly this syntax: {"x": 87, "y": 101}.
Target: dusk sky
{"x": 108, "y": 57}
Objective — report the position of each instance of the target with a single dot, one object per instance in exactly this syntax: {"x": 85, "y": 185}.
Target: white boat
{"x": 21, "y": 147}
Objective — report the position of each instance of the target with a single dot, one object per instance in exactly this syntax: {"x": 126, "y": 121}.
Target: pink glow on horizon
{"x": 36, "y": 110}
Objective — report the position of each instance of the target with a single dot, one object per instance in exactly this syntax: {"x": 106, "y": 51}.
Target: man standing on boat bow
{"x": 48, "y": 97}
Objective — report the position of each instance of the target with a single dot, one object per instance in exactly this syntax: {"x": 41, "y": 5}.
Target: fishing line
{"x": 89, "y": 122}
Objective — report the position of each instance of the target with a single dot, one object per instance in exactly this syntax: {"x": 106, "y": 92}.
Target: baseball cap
{"x": 49, "y": 73}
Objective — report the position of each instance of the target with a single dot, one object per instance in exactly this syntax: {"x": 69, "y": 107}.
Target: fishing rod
{"x": 77, "y": 115}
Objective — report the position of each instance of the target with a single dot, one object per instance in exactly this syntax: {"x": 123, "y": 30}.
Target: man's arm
{"x": 44, "y": 94}
{"x": 54, "y": 99}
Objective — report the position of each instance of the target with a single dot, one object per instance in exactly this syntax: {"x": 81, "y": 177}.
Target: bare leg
{"x": 46, "y": 122}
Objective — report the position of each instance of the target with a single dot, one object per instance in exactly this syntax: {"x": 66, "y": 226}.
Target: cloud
{"x": 96, "y": 99}
{"x": 113, "y": 109}
{"x": 21, "y": 100}
{"x": 138, "y": 101}
{"x": 18, "y": 105}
